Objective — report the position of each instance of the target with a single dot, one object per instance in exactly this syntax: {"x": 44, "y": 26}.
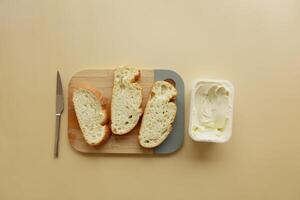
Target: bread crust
{"x": 170, "y": 127}
{"x": 133, "y": 81}
{"x": 137, "y": 77}
{"x": 103, "y": 102}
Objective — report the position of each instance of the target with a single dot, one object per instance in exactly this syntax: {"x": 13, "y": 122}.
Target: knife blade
{"x": 59, "y": 111}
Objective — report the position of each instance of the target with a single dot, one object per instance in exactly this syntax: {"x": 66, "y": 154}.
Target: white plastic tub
{"x": 211, "y": 111}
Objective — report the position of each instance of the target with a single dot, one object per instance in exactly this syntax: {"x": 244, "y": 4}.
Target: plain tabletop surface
{"x": 253, "y": 44}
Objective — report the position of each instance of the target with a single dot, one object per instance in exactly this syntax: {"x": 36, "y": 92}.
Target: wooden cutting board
{"x": 103, "y": 81}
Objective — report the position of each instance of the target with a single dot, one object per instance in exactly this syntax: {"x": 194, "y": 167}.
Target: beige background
{"x": 254, "y": 44}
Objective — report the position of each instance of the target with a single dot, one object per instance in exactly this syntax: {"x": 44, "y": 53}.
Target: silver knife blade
{"x": 59, "y": 95}
{"x": 59, "y": 110}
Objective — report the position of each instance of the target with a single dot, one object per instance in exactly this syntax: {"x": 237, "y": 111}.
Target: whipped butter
{"x": 211, "y": 111}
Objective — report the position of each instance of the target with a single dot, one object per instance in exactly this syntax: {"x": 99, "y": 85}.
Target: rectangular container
{"x": 195, "y": 132}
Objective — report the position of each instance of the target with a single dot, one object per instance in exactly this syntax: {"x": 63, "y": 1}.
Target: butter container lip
{"x": 205, "y": 137}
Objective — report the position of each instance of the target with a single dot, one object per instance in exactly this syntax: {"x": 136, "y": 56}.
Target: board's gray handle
{"x": 175, "y": 140}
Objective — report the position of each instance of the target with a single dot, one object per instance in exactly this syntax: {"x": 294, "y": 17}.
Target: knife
{"x": 59, "y": 111}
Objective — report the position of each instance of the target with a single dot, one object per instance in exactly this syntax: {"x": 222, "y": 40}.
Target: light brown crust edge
{"x": 135, "y": 81}
{"x": 103, "y": 102}
{"x": 172, "y": 99}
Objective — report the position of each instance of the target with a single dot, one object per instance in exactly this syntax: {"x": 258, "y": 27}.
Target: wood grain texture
{"x": 103, "y": 81}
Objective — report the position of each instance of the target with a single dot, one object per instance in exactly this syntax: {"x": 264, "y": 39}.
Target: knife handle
{"x": 57, "y": 129}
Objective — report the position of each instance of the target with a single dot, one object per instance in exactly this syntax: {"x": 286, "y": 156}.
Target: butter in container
{"x": 211, "y": 111}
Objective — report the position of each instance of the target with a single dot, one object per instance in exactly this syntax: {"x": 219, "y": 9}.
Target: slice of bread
{"x": 91, "y": 114}
{"x": 126, "y": 100}
{"x": 159, "y": 115}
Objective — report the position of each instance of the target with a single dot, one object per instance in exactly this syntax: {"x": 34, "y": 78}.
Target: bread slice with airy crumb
{"x": 126, "y": 100}
{"x": 159, "y": 115}
{"x": 91, "y": 114}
